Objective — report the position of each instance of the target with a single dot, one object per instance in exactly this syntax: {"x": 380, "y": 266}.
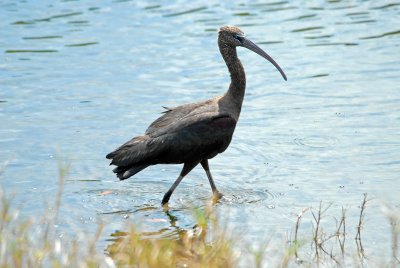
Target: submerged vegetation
{"x": 209, "y": 243}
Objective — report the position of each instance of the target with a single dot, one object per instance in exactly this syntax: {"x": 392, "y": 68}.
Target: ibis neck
{"x": 235, "y": 93}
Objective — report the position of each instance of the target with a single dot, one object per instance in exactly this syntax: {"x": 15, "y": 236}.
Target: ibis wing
{"x": 194, "y": 137}
{"x": 137, "y": 149}
{"x": 183, "y": 134}
{"x": 172, "y": 115}
{"x": 131, "y": 152}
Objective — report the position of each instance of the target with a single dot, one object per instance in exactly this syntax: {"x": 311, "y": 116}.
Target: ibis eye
{"x": 238, "y": 37}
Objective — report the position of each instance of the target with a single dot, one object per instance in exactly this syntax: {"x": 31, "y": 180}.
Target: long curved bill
{"x": 253, "y": 47}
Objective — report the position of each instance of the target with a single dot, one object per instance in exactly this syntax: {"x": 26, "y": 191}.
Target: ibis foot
{"x": 216, "y": 196}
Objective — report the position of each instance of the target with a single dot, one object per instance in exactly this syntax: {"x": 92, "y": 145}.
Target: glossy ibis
{"x": 192, "y": 133}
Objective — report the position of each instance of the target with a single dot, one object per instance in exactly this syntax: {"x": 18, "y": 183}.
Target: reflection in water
{"x": 173, "y": 231}
{"x": 189, "y": 248}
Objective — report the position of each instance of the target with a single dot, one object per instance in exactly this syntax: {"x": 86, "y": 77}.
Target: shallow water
{"x": 78, "y": 78}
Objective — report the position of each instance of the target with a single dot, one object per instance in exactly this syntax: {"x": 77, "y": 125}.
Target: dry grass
{"x": 193, "y": 247}
{"x": 34, "y": 243}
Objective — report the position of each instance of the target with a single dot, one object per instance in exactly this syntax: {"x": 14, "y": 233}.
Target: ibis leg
{"x": 204, "y": 164}
{"x": 187, "y": 167}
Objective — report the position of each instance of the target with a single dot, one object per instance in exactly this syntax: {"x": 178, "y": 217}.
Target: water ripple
{"x": 82, "y": 44}
{"x": 316, "y": 142}
{"x": 303, "y": 17}
{"x": 312, "y": 28}
{"x": 49, "y": 18}
{"x": 31, "y": 51}
{"x": 333, "y": 44}
{"x": 248, "y": 196}
{"x": 152, "y": 7}
{"x": 194, "y": 10}
{"x": 382, "y": 35}
{"x": 42, "y": 37}
{"x": 390, "y": 5}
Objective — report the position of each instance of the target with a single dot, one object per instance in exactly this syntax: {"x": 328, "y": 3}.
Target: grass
{"x": 191, "y": 249}
{"x": 34, "y": 242}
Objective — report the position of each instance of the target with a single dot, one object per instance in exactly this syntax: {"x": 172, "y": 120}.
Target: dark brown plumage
{"x": 192, "y": 133}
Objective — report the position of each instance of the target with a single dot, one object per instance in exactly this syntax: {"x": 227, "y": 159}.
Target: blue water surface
{"x": 79, "y": 78}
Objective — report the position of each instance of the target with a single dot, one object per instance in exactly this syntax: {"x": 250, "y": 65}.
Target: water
{"x": 78, "y": 78}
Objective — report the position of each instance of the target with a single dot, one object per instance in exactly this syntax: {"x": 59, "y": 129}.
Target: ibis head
{"x": 231, "y": 37}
